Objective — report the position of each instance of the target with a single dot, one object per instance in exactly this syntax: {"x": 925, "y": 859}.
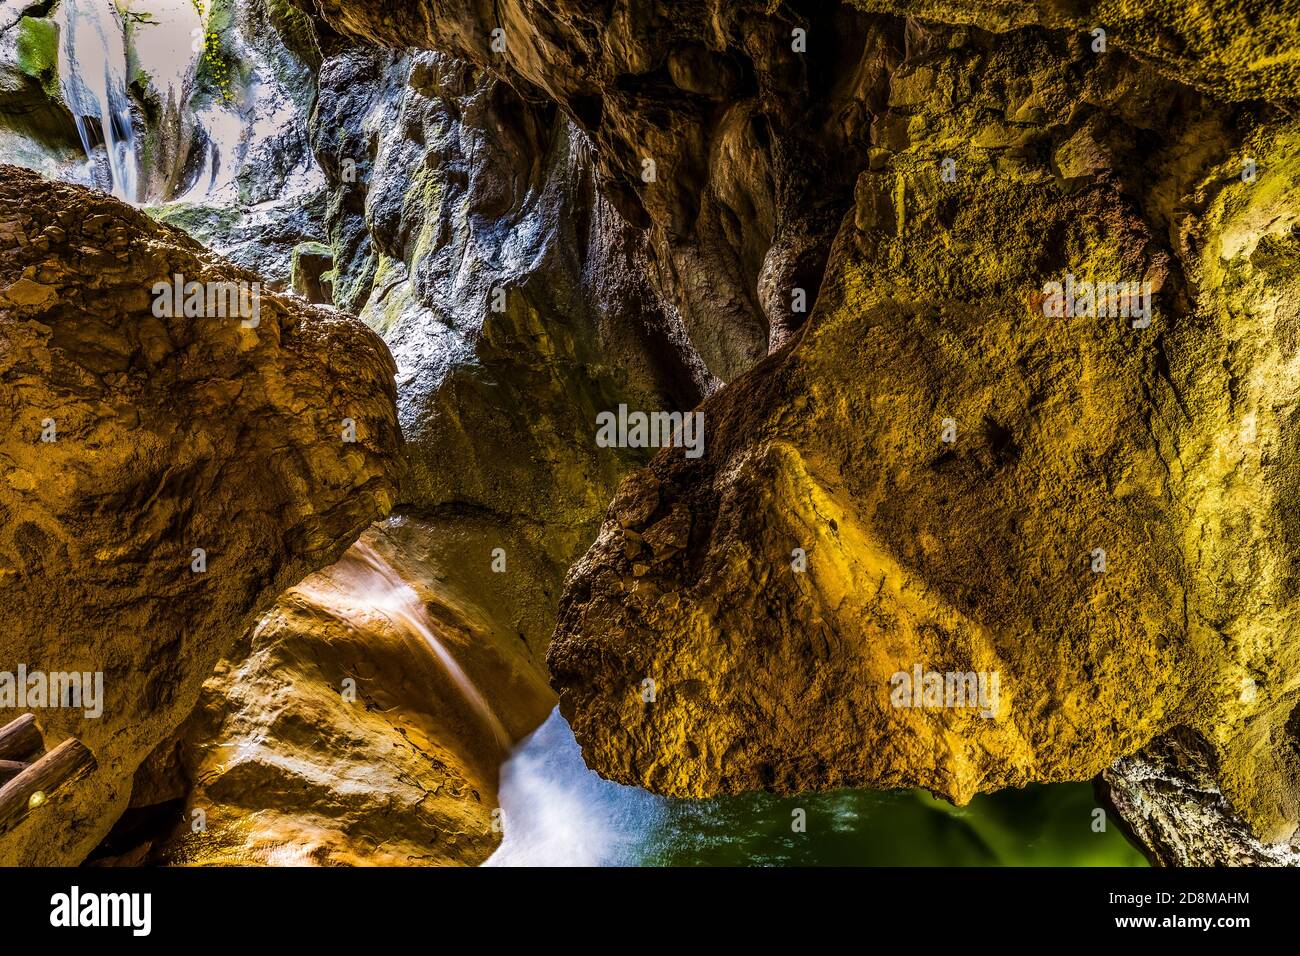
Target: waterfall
{"x": 371, "y": 584}
{"x": 224, "y": 146}
{"x": 559, "y": 813}
{"x": 93, "y": 77}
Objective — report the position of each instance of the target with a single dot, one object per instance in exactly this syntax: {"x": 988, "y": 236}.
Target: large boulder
{"x": 164, "y": 479}
{"x": 941, "y": 476}
{"x": 1168, "y": 798}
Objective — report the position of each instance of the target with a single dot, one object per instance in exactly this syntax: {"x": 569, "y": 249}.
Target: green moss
{"x": 38, "y": 52}
{"x": 312, "y": 248}
{"x": 222, "y": 16}
{"x": 394, "y": 303}
{"x": 198, "y": 220}
{"x": 136, "y": 74}
{"x": 295, "y": 30}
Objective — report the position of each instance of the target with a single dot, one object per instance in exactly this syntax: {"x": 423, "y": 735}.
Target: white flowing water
{"x": 223, "y": 143}
{"x": 93, "y": 78}
{"x": 374, "y": 584}
{"x": 556, "y": 812}
{"x": 214, "y": 145}
{"x": 167, "y": 45}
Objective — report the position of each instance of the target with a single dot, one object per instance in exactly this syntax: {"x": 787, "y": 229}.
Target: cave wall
{"x": 1168, "y": 441}
{"x": 846, "y": 213}
{"x": 735, "y": 151}
{"x": 465, "y": 225}
{"x": 822, "y": 169}
{"x": 1127, "y": 157}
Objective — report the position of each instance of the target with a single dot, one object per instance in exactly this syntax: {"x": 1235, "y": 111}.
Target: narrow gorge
{"x": 612, "y": 432}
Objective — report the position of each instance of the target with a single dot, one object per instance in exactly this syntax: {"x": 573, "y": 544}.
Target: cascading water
{"x": 557, "y": 812}
{"x": 223, "y": 146}
{"x": 399, "y": 602}
{"x": 370, "y": 584}
{"x": 92, "y": 74}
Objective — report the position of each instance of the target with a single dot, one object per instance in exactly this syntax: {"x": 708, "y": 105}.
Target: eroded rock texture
{"x": 646, "y": 181}
{"x": 37, "y": 129}
{"x": 1165, "y": 446}
{"x": 1169, "y": 798}
{"x": 132, "y": 440}
{"x": 466, "y": 227}
{"x": 336, "y": 733}
{"x": 515, "y": 301}
{"x": 736, "y": 151}
{"x": 229, "y": 160}
{"x": 1233, "y": 49}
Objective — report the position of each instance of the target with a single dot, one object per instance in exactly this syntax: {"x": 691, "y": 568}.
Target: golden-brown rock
{"x": 1236, "y": 49}
{"x": 361, "y": 722}
{"x": 162, "y": 479}
{"x": 1097, "y": 510}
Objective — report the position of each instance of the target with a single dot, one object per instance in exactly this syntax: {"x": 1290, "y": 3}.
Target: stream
{"x": 558, "y": 813}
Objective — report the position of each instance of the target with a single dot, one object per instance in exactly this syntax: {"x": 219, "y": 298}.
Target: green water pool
{"x": 557, "y": 812}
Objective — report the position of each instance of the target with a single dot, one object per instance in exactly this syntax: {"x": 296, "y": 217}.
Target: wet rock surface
{"x": 1168, "y": 797}
{"x": 133, "y": 440}
{"x": 846, "y": 212}
{"x": 36, "y": 127}
{"x": 737, "y": 152}
{"x": 240, "y": 176}
{"x": 337, "y": 734}
{"x": 515, "y": 303}
{"x": 916, "y": 551}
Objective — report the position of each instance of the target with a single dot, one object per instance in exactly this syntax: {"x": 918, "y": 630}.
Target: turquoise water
{"x": 557, "y": 812}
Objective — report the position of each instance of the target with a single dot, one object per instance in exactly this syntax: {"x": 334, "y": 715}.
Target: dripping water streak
{"x": 392, "y": 597}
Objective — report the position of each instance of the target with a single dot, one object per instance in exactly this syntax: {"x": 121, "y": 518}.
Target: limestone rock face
{"x": 1106, "y": 527}
{"x": 236, "y": 171}
{"x": 336, "y": 733}
{"x": 1169, "y": 799}
{"x": 36, "y": 127}
{"x": 707, "y": 126}
{"x": 132, "y": 440}
{"x": 514, "y": 300}
{"x": 575, "y": 204}
{"x": 1235, "y": 49}
{"x": 458, "y": 188}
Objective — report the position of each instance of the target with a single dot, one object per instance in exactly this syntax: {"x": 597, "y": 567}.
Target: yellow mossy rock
{"x": 940, "y": 477}
{"x": 1235, "y": 49}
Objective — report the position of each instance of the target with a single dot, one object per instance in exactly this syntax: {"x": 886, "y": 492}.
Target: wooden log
{"x": 11, "y": 768}
{"x": 19, "y": 739}
{"x": 65, "y": 763}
